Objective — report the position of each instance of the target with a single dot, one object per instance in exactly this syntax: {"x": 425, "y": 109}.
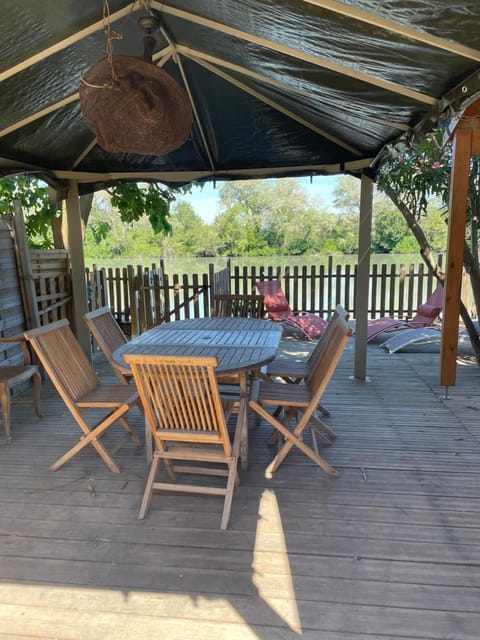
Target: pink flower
{"x": 435, "y": 164}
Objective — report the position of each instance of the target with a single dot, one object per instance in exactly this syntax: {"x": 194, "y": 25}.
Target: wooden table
{"x": 239, "y": 344}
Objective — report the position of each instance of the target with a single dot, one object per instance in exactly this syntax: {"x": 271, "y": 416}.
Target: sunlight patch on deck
{"x": 269, "y": 519}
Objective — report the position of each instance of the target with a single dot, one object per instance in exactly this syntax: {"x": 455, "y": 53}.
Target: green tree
{"x": 346, "y": 198}
{"x": 190, "y": 235}
{"x": 389, "y": 229}
{"x": 234, "y": 232}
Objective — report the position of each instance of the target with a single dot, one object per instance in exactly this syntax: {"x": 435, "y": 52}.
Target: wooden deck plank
{"x": 389, "y": 550}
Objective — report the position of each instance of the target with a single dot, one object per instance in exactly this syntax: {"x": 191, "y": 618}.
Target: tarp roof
{"x": 278, "y": 87}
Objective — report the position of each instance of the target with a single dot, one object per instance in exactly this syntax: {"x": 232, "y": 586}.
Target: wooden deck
{"x": 390, "y": 550}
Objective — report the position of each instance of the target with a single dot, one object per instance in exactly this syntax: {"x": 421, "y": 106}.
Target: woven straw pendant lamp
{"x": 133, "y": 106}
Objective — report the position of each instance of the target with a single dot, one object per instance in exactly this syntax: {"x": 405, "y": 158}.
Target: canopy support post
{"x": 79, "y": 288}
{"x": 362, "y": 283}
{"x": 466, "y": 142}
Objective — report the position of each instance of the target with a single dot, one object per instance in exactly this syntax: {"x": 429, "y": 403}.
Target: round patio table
{"x": 241, "y": 345}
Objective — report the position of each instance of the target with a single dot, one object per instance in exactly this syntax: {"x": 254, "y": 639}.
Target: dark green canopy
{"x": 278, "y": 88}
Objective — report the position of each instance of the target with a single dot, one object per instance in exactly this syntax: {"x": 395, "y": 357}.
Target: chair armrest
{"x": 21, "y": 340}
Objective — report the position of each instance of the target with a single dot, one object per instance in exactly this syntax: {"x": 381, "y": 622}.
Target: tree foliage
{"x": 34, "y": 197}
{"x": 419, "y": 174}
{"x": 131, "y": 199}
{"x": 411, "y": 180}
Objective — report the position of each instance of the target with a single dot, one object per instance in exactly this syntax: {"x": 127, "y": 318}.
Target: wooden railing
{"x": 141, "y": 297}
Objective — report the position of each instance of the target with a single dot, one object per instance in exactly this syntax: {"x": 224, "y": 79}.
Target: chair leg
{"x": 323, "y": 409}
{"x": 321, "y": 426}
{"x": 231, "y": 482}
{"x": 148, "y": 442}
{"x": 90, "y": 436}
{"x": 5, "y": 403}
{"x": 147, "y": 494}
{"x": 37, "y": 385}
{"x": 102, "y": 452}
{"x": 128, "y": 429}
{"x": 291, "y": 439}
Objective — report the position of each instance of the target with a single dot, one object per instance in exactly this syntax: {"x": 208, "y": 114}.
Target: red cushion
{"x": 428, "y": 310}
{"x": 276, "y": 303}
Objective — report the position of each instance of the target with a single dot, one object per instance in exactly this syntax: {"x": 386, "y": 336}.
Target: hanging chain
{"x": 110, "y": 35}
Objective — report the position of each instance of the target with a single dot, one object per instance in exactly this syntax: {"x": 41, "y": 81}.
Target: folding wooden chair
{"x": 241, "y": 306}
{"x": 301, "y": 401}
{"x": 188, "y": 421}
{"x": 79, "y": 387}
{"x": 294, "y": 372}
{"x": 109, "y": 336}
{"x": 238, "y": 305}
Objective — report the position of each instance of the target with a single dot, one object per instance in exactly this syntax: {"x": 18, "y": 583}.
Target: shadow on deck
{"x": 390, "y": 549}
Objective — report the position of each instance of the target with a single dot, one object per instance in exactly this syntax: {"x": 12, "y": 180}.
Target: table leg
{"x": 240, "y": 442}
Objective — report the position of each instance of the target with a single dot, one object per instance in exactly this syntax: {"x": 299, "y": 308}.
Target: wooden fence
{"x": 141, "y": 297}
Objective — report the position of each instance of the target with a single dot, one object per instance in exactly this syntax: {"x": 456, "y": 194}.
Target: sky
{"x": 205, "y": 200}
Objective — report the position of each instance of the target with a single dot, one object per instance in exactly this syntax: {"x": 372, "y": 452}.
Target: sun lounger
{"x": 426, "y": 315}
{"x": 279, "y": 310}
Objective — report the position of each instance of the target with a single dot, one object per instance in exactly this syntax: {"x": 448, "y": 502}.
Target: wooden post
{"x": 459, "y": 180}
{"x": 79, "y": 285}
{"x": 27, "y": 285}
{"x": 363, "y": 277}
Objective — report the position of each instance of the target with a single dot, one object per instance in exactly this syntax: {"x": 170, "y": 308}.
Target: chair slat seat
{"x": 287, "y": 368}
{"x": 195, "y": 454}
{"x": 274, "y": 394}
{"x": 16, "y": 375}
{"x": 109, "y": 395}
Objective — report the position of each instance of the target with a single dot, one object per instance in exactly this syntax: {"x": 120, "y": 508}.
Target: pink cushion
{"x": 428, "y": 310}
{"x": 276, "y": 303}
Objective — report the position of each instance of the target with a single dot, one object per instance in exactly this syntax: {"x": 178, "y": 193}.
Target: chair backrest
{"x": 181, "y": 398}
{"x": 327, "y": 361}
{"x": 221, "y": 281}
{"x": 242, "y": 306}
{"x": 340, "y": 312}
{"x": 107, "y": 333}
{"x": 428, "y": 312}
{"x": 273, "y": 297}
{"x": 63, "y": 360}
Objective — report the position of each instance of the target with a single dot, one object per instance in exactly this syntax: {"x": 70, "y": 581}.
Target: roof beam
{"x": 187, "y": 176}
{"x": 196, "y": 116}
{"x": 396, "y": 27}
{"x": 39, "y": 114}
{"x": 295, "y": 53}
{"x": 66, "y": 42}
{"x": 195, "y": 54}
{"x": 279, "y": 107}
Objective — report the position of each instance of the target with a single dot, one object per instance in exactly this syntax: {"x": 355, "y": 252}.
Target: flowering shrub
{"x": 418, "y": 174}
